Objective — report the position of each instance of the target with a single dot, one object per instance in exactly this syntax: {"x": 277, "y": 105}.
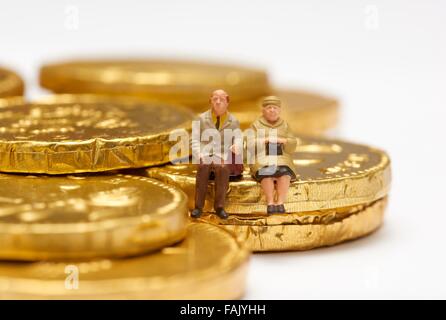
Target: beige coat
{"x": 206, "y": 122}
{"x": 283, "y": 131}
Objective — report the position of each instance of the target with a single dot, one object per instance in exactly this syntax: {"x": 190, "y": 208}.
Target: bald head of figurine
{"x": 219, "y": 101}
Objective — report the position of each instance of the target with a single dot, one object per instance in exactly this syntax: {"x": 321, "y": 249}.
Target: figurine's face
{"x": 271, "y": 112}
{"x": 219, "y": 102}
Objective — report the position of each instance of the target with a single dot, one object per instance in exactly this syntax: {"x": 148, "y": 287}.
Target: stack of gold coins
{"x": 340, "y": 194}
{"x": 190, "y": 84}
{"x": 95, "y": 205}
{"x": 11, "y": 87}
{"x": 82, "y": 230}
{"x": 334, "y": 199}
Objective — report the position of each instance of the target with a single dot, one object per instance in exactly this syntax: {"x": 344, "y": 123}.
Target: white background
{"x": 384, "y": 59}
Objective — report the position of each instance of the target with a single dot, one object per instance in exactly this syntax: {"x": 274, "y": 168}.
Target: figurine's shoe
{"x": 280, "y": 208}
{"x": 270, "y": 209}
{"x": 196, "y": 213}
{"x": 221, "y": 213}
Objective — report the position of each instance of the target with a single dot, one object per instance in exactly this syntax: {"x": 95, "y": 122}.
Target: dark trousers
{"x": 221, "y": 173}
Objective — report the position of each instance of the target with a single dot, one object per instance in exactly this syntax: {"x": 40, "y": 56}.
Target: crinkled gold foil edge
{"x": 290, "y": 237}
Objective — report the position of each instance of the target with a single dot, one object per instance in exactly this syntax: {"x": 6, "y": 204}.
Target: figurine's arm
{"x": 252, "y": 144}
{"x": 290, "y": 142}
{"x": 258, "y": 140}
{"x": 195, "y": 141}
{"x": 237, "y": 145}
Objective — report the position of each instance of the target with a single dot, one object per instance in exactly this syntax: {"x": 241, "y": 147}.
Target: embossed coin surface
{"x": 189, "y": 83}
{"x": 330, "y": 174}
{"x": 87, "y": 134}
{"x": 10, "y": 84}
{"x": 208, "y": 264}
{"x": 87, "y": 216}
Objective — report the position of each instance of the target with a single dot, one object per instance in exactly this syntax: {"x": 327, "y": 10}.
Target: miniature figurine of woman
{"x": 273, "y": 165}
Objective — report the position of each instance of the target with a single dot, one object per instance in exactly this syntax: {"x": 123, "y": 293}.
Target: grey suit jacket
{"x": 206, "y": 145}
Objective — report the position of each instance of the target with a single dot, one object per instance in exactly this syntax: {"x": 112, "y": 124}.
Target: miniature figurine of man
{"x": 217, "y": 120}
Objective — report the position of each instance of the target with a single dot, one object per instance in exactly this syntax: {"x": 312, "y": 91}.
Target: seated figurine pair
{"x": 273, "y": 170}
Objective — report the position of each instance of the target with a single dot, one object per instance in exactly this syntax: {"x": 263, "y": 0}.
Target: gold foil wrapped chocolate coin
{"x": 87, "y": 216}
{"x": 10, "y": 84}
{"x": 340, "y": 194}
{"x": 190, "y": 83}
{"x": 187, "y": 83}
{"x": 306, "y": 230}
{"x": 331, "y": 174}
{"x": 209, "y": 264}
{"x": 69, "y": 134}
